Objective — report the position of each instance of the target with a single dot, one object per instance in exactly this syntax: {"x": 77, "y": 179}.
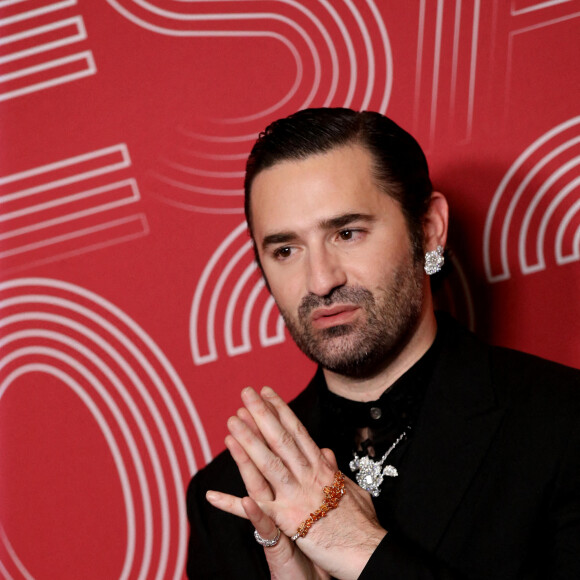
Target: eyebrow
{"x": 326, "y": 224}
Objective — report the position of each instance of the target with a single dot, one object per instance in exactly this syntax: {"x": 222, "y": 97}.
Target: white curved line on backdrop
{"x": 249, "y": 306}
{"x": 124, "y": 428}
{"x": 278, "y": 338}
{"x": 102, "y": 423}
{"x": 329, "y": 43}
{"x": 231, "y": 348}
{"x": 534, "y": 171}
{"x": 157, "y": 418}
{"x": 436, "y": 67}
{"x": 161, "y": 358}
{"x": 473, "y": 65}
{"x": 522, "y": 187}
{"x": 240, "y": 34}
{"x": 352, "y": 61}
{"x": 291, "y": 92}
{"x": 246, "y": 345}
{"x": 219, "y": 138}
{"x": 198, "y": 358}
{"x": 119, "y": 387}
{"x": 306, "y": 38}
{"x": 559, "y": 249}
{"x": 388, "y": 56}
{"x": 217, "y": 290}
{"x": 505, "y": 272}
{"x": 317, "y": 67}
{"x": 562, "y": 226}
{"x": 125, "y": 341}
{"x": 541, "y": 264}
{"x": 14, "y": 557}
{"x": 203, "y": 172}
{"x": 455, "y": 56}
{"x": 196, "y": 188}
{"x": 159, "y": 422}
{"x": 146, "y": 339}
{"x": 215, "y": 156}
{"x": 351, "y": 55}
{"x": 130, "y": 441}
{"x": 369, "y": 53}
{"x": 419, "y": 60}
{"x": 201, "y": 208}
{"x": 351, "y": 58}
{"x": 321, "y": 28}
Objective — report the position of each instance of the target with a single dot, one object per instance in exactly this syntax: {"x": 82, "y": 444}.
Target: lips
{"x": 334, "y": 315}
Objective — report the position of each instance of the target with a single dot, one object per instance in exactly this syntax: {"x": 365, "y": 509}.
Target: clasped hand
{"x": 284, "y": 472}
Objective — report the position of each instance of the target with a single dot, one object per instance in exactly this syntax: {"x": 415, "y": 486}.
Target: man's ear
{"x": 435, "y": 222}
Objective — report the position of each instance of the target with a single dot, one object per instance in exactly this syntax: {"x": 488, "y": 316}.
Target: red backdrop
{"x": 132, "y": 313}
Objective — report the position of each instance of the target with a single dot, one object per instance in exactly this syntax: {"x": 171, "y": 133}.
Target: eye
{"x": 350, "y": 234}
{"x": 282, "y": 253}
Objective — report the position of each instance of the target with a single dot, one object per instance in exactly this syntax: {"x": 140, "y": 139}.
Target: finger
{"x": 293, "y": 425}
{"x": 245, "y": 416}
{"x": 256, "y": 486}
{"x": 262, "y": 522}
{"x": 276, "y": 436}
{"x": 226, "y": 502}
{"x": 270, "y": 465}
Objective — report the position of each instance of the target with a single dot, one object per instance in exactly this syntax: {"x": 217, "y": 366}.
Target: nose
{"x": 325, "y": 271}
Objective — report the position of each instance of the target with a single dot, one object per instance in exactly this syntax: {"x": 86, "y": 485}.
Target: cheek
{"x": 369, "y": 270}
{"x": 287, "y": 297}
{"x": 382, "y": 259}
{"x": 286, "y": 289}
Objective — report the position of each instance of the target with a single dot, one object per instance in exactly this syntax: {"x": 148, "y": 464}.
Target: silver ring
{"x": 295, "y": 536}
{"x": 267, "y": 543}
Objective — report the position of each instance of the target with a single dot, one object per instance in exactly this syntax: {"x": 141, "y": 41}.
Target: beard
{"x": 362, "y": 348}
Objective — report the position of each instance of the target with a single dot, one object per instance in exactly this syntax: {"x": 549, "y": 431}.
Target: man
{"x": 462, "y": 460}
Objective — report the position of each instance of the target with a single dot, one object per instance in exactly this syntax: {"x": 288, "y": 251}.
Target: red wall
{"x": 132, "y": 314}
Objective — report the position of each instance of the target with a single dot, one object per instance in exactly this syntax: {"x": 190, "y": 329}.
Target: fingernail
{"x": 249, "y": 394}
{"x": 268, "y": 392}
{"x": 233, "y": 423}
{"x": 211, "y": 496}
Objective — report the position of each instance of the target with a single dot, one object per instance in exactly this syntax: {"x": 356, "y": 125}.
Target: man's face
{"x": 335, "y": 250}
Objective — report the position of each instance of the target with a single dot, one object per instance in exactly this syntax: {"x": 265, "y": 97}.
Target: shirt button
{"x": 376, "y": 413}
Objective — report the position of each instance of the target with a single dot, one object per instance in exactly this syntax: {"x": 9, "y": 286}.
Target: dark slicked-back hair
{"x": 399, "y": 165}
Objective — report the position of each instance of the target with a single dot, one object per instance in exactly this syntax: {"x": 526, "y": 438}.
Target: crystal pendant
{"x": 390, "y": 471}
{"x": 369, "y": 475}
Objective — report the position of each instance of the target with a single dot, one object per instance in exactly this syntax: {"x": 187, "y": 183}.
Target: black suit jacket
{"x": 488, "y": 487}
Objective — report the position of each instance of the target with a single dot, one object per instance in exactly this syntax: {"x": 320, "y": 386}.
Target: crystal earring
{"x": 434, "y": 261}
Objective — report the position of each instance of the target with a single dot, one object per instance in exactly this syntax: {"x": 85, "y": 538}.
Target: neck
{"x": 371, "y": 388}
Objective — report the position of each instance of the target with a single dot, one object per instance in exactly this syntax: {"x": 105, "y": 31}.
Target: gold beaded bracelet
{"x": 332, "y": 494}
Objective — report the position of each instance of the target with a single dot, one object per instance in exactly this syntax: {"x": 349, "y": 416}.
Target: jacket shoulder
{"x": 522, "y": 372}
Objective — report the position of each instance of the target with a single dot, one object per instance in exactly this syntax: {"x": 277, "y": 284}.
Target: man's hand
{"x": 285, "y": 560}
{"x": 285, "y": 472}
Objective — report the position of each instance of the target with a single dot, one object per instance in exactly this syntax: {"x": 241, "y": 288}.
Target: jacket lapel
{"x": 457, "y": 423}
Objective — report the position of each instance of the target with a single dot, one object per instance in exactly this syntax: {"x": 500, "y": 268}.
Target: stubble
{"x": 363, "y": 347}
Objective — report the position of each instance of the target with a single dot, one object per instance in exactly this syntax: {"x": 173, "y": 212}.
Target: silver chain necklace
{"x": 371, "y": 473}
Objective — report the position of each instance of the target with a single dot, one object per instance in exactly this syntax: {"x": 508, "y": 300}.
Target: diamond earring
{"x": 434, "y": 261}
